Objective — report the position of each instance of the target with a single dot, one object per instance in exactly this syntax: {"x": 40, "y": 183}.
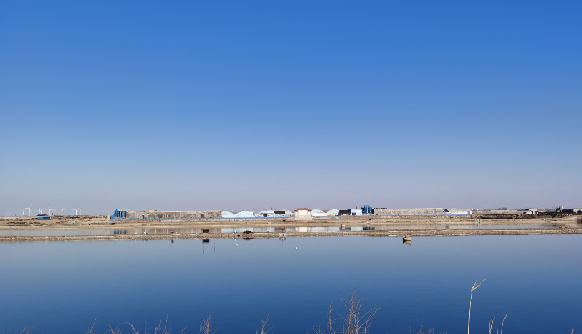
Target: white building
{"x": 332, "y": 212}
{"x": 318, "y": 213}
{"x": 455, "y": 212}
{"x": 274, "y": 213}
{"x": 303, "y": 214}
{"x": 241, "y": 214}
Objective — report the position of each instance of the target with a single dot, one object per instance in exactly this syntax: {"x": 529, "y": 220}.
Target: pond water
{"x": 67, "y": 232}
{"x": 64, "y": 287}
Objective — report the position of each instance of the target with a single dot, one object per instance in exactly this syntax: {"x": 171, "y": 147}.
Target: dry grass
{"x": 161, "y": 328}
{"x": 353, "y": 320}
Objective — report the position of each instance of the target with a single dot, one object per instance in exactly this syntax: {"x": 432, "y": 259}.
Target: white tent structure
{"x": 318, "y": 213}
{"x": 241, "y": 214}
{"x": 332, "y": 212}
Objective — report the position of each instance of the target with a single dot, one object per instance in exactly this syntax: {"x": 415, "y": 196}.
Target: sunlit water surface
{"x": 63, "y": 287}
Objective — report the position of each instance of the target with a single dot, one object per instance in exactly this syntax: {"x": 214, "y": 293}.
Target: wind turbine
{"x": 62, "y": 211}
{"x": 49, "y": 211}
{"x": 80, "y": 212}
{"x": 40, "y": 211}
{"x": 76, "y": 212}
{"x": 28, "y": 210}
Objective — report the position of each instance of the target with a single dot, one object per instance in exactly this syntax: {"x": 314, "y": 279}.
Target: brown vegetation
{"x": 353, "y": 320}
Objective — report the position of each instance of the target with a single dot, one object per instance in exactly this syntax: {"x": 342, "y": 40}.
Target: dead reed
{"x": 352, "y": 320}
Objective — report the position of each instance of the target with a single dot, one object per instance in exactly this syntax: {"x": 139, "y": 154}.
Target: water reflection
{"x": 258, "y": 229}
{"x": 294, "y": 281}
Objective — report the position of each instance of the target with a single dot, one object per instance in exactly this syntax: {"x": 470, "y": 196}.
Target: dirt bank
{"x": 55, "y": 224}
{"x": 276, "y": 228}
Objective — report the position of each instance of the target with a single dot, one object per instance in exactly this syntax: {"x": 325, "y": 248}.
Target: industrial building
{"x": 350, "y": 212}
{"x": 332, "y": 212}
{"x": 155, "y": 214}
{"x": 275, "y": 213}
{"x": 318, "y": 213}
{"x": 122, "y": 213}
{"x": 241, "y": 214}
{"x": 366, "y": 210}
{"x": 422, "y": 212}
{"x": 303, "y": 214}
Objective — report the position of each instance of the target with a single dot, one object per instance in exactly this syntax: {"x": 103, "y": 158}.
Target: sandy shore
{"x": 289, "y": 222}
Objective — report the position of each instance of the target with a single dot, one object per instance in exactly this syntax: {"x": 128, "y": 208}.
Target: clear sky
{"x": 201, "y": 105}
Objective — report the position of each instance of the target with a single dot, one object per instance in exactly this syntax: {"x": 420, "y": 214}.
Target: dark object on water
{"x": 407, "y": 240}
{"x": 247, "y": 232}
{"x": 205, "y": 230}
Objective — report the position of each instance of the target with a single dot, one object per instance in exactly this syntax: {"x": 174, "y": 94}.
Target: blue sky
{"x": 200, "y": 105}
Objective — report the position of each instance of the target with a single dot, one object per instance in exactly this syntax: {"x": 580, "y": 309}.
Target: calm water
{"x": 62, "y": 287}
{"x": 67, "y": 232}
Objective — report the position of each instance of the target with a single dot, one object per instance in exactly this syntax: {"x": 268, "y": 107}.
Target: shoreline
{"x": 378, "y": 227}
{"x": 34, "y": 224}
{"x": 280, "y": 235}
